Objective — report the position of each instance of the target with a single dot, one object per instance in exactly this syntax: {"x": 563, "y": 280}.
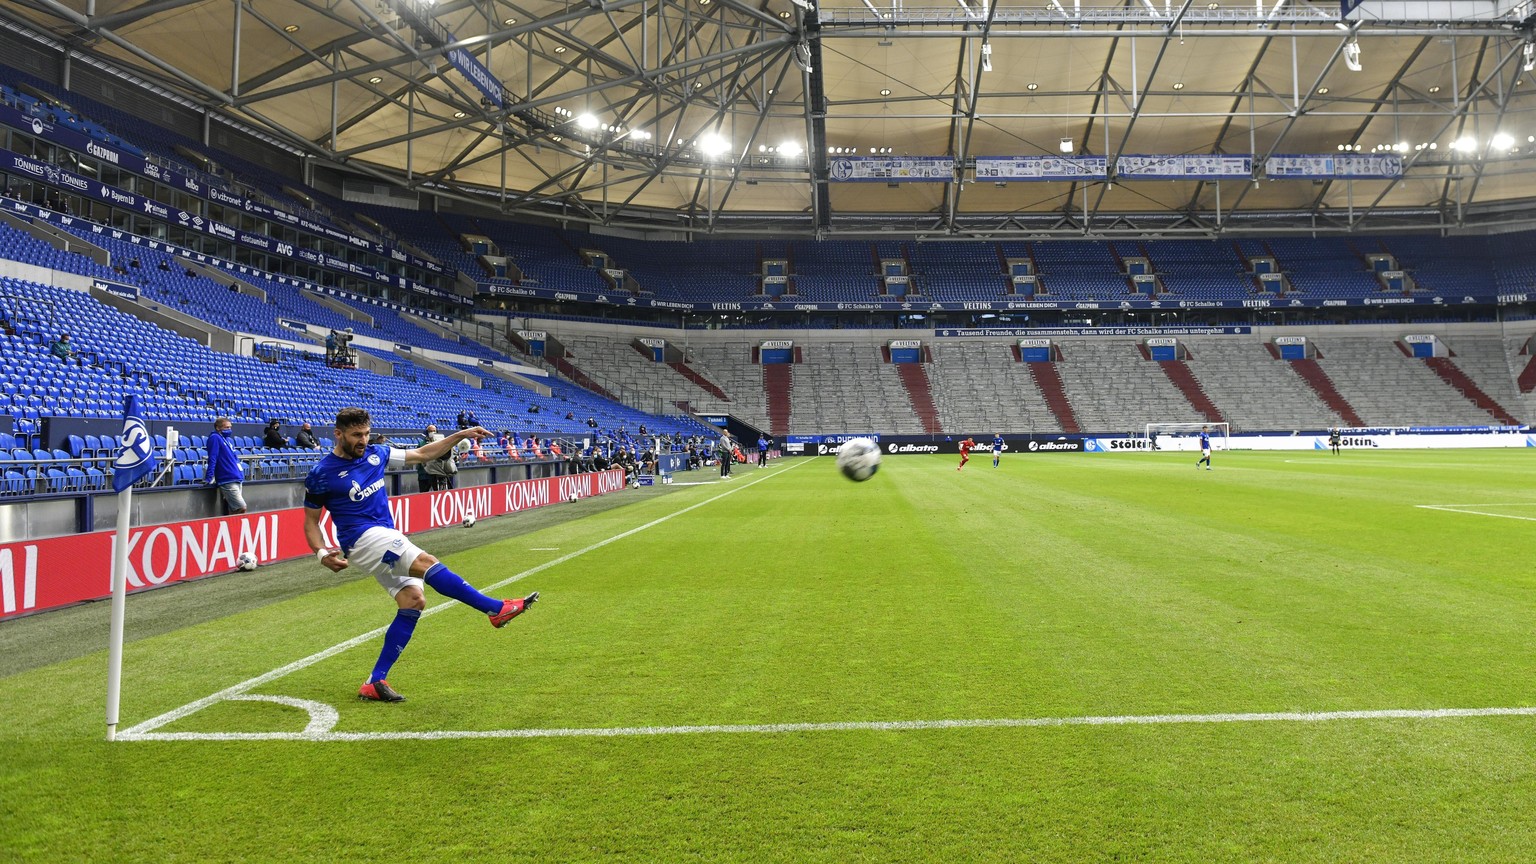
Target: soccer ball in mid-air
{"x": 858, "y": 459}
{"x": 246, "y": 561}
{"x": 469, "y": 519}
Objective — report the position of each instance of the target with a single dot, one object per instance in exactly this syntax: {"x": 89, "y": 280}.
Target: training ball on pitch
{"x": 858, "y": 459}
{"x": 246, "y": 561}
{"x": 469, "y": 519}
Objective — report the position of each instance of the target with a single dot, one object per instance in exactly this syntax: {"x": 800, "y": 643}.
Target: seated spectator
{"x": 61, "y": 348}
{"x": 273, "y": 436}
{"x": 306, "y": 438}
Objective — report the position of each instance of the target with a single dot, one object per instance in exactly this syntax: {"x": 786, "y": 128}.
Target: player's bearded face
{"x": 353, "y": 441}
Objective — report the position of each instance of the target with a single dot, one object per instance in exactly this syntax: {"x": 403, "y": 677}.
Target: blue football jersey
{"x": 997, "y": 442}
{"x": 1205, "y": 441}
{"x": 353, "y": 491}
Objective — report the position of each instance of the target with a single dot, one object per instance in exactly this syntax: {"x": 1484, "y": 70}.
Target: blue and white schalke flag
{"x": 137, "y": 458}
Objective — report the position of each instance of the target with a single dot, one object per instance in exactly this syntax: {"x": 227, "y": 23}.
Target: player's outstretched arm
{"x": 331, "y": 558}
{"x": 436, "y": 449}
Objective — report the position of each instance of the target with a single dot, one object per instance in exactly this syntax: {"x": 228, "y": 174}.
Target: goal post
{"x": 1186, "y": 436}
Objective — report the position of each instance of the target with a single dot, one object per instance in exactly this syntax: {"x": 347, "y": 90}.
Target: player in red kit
{"x": 965, "y": 452}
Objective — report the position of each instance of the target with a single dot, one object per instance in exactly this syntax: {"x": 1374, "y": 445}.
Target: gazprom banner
{"x": 1213, "y": 166}
{"x": 1041, "y": 168}
{"x": 128, "y": 158}
{"x": 1360, "y": 166}
{"x": 905, "y": 169}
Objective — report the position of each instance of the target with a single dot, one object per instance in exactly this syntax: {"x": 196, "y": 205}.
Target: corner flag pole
{"x": 135, "y": 460}
{"x": 119, "y": 602}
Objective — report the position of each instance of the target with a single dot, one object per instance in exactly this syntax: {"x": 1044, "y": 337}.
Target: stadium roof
{"x": 610, "y": 108}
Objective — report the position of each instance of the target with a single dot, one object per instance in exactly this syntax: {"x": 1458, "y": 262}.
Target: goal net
{"x": 1186, "y": 436}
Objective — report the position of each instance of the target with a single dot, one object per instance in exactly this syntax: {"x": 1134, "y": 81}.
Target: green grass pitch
{"x": 1055, "y": 587}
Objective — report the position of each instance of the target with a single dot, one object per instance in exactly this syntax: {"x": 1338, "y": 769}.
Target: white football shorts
{"x": 388, "y": 555}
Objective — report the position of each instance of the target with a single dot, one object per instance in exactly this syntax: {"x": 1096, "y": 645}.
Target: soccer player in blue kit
{"x": 349, "y": 483}
{"x": 1205, "y": 448}
{"x": 997, "y": 448}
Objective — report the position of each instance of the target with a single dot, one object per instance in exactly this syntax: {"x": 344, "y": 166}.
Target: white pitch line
{"x": 871, "y": 726}
{"x": 322, "y": 717}
{"x": 1461, "y": 508}
{"x": 229, "y": 692}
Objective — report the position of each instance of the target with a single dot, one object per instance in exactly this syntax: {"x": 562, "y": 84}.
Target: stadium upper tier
{"x": 725, "y": 270}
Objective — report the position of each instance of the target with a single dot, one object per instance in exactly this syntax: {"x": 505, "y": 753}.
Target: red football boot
{"x": 511, "y": 609}
{"x": 379, "y": 691}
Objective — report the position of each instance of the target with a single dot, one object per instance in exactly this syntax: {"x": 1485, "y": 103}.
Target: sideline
{"x": 874, "y": 726}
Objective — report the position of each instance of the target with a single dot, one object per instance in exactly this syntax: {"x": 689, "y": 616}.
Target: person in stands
{"x": 61, "y": 348}
{"x": 306, "y": 438}
{"x": 273, "y": 436}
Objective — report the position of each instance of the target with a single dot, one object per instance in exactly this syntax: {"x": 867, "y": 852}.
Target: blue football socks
{"x": 447, "y": 583}
{"x": 395, "y": 639}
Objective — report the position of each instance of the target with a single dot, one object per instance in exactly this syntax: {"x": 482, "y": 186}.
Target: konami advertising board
{"x": 45, "y": 574}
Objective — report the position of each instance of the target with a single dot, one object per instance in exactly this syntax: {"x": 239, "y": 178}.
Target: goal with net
{"x": 1186, "y": 436}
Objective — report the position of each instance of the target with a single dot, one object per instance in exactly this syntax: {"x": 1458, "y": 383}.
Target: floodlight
{"x": 1352, "y": 55}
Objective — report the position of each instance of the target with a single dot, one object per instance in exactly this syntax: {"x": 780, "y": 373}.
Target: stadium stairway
{"x": 1314, "y": 375}
{"x": 580, "y": 378}
{"x": 1048, "y": 379}
{"x": 705, "y": 384}
{"x": 1452, "y": 375}
{"x": 1527, "y": 379}
{"x": 778, "y": 383}
{"x": 920, "y": 393}
{"x": 1184, "y": 378}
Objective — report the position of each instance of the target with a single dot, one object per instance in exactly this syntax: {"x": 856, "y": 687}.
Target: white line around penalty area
{"x": 869, "y": 726}
{"x": 229, "y": 692}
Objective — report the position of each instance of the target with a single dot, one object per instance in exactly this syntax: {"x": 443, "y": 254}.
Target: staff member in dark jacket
{"x": 305, "y": 439}
{"x": 224, "y": 468}
{"x": 274, "y": 436}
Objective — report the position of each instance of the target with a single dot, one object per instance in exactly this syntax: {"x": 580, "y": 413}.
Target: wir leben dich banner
{"x": 45, "y": 574}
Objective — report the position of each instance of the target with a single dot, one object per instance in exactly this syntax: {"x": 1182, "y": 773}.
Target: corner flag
{"x": 137, "y": 458}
